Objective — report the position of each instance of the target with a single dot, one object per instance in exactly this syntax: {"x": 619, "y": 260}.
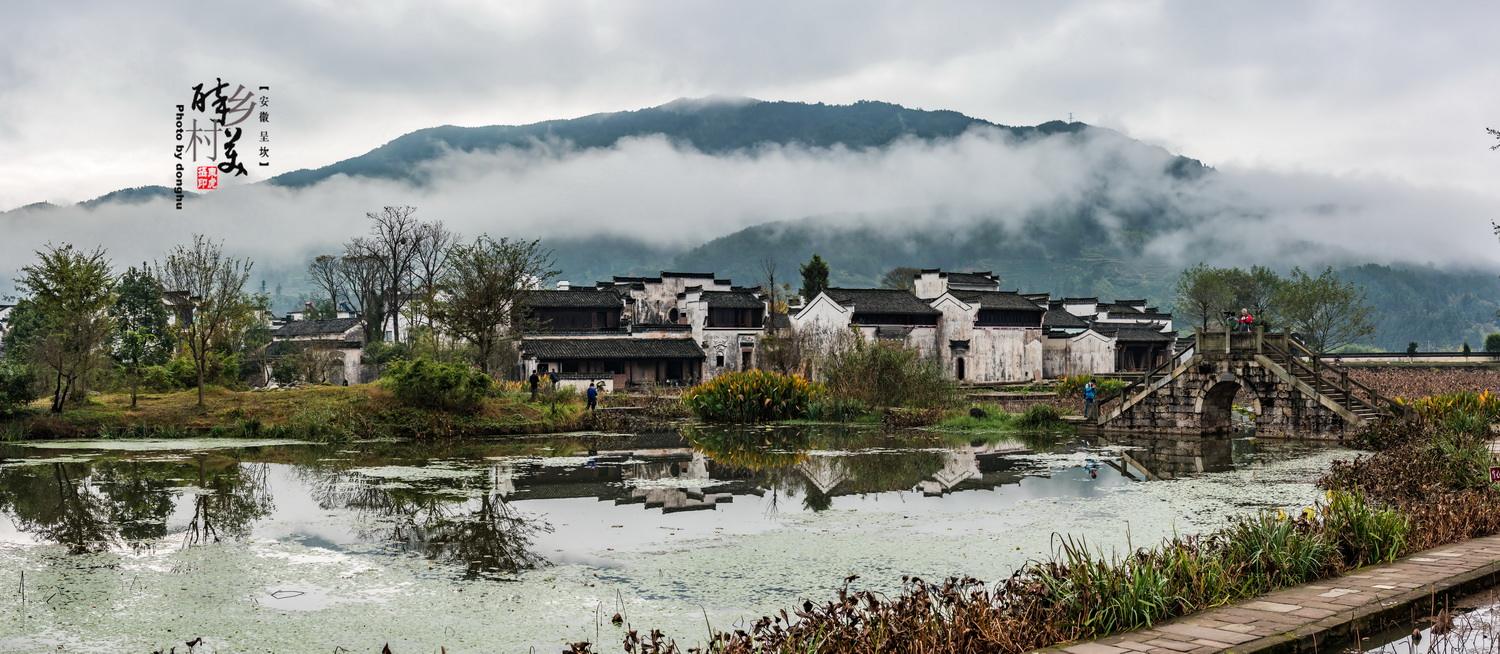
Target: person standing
{"x": 593, "y": 394}
{"x": 534, "y": 380}
{"x": 1247, "y": 321}
{"x": 1090, "y": 392}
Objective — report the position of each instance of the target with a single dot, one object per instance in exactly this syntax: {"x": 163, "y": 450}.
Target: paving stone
{"x": 1173, "y": 645}
{"x": 1209, "y": 633}
{"x": 1273, "y": 607}
{"x": 1093, "y": 648}
{"x": 1315, "y": 614}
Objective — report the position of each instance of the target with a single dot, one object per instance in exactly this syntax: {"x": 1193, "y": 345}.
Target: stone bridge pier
{"x": 1197, "y": 398}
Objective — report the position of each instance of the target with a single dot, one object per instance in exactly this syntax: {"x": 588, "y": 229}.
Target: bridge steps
{"x": 1299, "y": 391}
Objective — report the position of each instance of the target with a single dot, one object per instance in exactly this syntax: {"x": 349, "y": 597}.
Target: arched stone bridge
{"x": 1290, "y": 390}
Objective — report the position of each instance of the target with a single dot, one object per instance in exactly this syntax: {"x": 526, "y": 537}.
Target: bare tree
{"x": 433, "y": 245}
{"x": 324, "y": 271}
{"x": 487, "y": 286}
{"x": 773, "y": 294}
{"x": 395, "y": 238}
{"x": 215, "y": 286}
{"x": 362, "y": 281}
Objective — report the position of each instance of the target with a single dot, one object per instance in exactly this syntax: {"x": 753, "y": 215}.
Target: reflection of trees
{"x": 89, "y": 507}
{"x": 140, "y": 499}
{"x": 484, "y": 534}
{"x": 228, "y": 499}
{"x": 56, "y": 503}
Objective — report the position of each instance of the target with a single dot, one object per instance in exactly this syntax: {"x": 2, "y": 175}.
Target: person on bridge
{"x": 1246, "y": 321}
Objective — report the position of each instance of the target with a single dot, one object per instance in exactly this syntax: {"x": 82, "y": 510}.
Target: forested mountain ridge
{"x": 710, "y": 126}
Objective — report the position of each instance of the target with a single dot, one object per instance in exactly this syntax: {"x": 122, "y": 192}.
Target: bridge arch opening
{"x": 1216, "y": 408}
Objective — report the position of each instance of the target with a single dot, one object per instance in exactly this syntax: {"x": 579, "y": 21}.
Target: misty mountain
{"x": 1061, "y": 207}
{"x": 712, "y": 126}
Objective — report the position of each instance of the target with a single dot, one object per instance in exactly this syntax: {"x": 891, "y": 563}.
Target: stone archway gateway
{"x": 1294, "y": 392}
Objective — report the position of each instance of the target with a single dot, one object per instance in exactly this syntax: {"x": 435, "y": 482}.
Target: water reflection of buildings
{"x": 676, "y": 479}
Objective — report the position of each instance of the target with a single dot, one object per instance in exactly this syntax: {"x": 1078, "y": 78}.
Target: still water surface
{"x": 502, "y": 546}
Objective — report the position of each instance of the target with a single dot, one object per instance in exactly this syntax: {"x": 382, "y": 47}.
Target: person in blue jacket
{"x": 593, "y": 394}
{"x": 1090, "y": 391}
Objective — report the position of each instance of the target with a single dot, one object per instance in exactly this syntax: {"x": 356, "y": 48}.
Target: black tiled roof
{"x": 1137, "y": 334}
{"x": 732, "y": 300}
{"x": 1117, "y": 307}
{"x": 586, "y": 298}
{"x": 998, "y": 300}
{"x": 1059, "y": 319}
{"x": 552, "y": 349}
{"x": 972, "y": 278}
{"x": 881, "y": 300}
{"x": 331, "y": 327}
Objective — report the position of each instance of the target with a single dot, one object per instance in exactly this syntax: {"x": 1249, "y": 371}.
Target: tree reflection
{"x": 228, "y": 499}
{"x": 485, "y": 534}
{"x": 140, "y": 499}
{"x": 57, "y": 503}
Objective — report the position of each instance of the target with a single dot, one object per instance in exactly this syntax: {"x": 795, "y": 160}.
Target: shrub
{"x": 431, "y": 385}
{"x": 903, "y": 417}
{"x": 884, "y": 374}
{"x": 1038, "y": 416}
{"x": 752, "y": 396}
{"x": 380, "y": 353}
{"x": 17, "y": 387}
{"x": 1492, "y": 343}
{"x": 835, "y": 409}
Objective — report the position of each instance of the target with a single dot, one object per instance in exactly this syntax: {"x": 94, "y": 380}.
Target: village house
{"x": 983, "y": 334}
{"x": 874, "y": 313}
{"x": 335, "y": 346}
{"x": 583, "y": 334}
{"x": 727, "y": 324}
{"x": 986, "y": 334}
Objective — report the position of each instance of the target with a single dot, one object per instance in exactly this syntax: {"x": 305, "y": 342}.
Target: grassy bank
{"x": 1425, "y": 484}
{"x": 317, "y": 412}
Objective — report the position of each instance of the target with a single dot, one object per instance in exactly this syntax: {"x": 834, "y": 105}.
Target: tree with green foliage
{"x": 215, "y": 286}
{"x": 814, "y": 277}
{"x": 1204, "y": 293}
{"x": 1254, "y": 289}
{"x": 486, "y": 291}
{"x": 1466, "y": 349}
{"x": 1411, "y": 348}
{"x": 1325, "y": 311}
{"x": 1492, "y": 343}
{"x": 142, "y": 336}
{"x": 900, "y": 277}
{"x": 71, "y": 292}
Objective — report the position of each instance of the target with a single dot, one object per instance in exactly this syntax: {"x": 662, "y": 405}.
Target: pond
{"x": 114, "y": 546}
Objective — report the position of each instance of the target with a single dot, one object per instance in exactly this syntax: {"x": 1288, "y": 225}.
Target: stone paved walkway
{"x": 1307, "y": 618}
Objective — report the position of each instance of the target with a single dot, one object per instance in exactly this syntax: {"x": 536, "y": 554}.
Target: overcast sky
{"x": 1395, "y": 91}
